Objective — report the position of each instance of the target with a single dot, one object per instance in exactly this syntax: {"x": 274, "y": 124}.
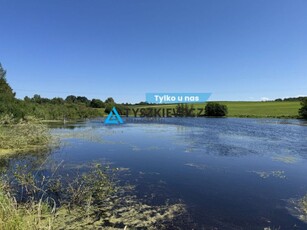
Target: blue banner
{"x": 168, "y": 98}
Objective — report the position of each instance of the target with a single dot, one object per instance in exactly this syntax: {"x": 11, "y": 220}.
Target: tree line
{"x": 72, "y": 107}
{"x": 292, "y": 99}
{"x": 80, "y": 107}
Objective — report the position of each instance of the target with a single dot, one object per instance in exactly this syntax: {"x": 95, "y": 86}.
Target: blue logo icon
{"x": 113, "y": 118}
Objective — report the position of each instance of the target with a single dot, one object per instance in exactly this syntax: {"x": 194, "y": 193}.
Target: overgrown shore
{"x": 21, "y": 135}
{"x": 88, "y": 200}
{"x": 91, "y": 199}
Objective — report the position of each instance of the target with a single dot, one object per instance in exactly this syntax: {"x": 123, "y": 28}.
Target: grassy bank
{"x": 269, "y": 109}
{"x": 13, "y": 216}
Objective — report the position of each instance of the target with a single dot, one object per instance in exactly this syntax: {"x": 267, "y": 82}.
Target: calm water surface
{"x": 231, "y": 173}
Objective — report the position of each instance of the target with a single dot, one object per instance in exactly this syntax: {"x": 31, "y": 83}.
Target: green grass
{"x": 13, "y": 216}
{"x": 250, "y": 109}
{"x": 263, "y": 109}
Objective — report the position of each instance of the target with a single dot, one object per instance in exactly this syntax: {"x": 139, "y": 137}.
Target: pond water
{"x": 230, "y": 173}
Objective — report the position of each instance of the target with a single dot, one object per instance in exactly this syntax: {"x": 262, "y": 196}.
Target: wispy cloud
{"x": 264, "y": 99}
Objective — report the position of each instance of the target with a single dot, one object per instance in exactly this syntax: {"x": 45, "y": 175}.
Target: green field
{"x": 283, "y": 109}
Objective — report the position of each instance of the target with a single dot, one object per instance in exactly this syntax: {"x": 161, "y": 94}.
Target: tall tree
{"x": 6, "y": 92}
{"x": 71, "y": 99}
{"x": 303, "y": 109}
{"x": 109, "y": 100}
{"x": 96, "y": 103}
{"x": 8, "y": 103}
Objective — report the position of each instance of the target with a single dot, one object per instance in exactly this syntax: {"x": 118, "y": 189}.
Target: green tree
{"x": 303, "y": 109}
{"x": 215, "y": 109}
{"x": 109, "y": 108}
{"x": 83, "y": 100}
{"x": 96, "y": 103}
{"x": 109, "y": 104}
{"x": 27, "y": 99}
{"x": 71, "y": 99}
{"x": 121, "y": 109}
{"x": 57, "y": 101}
{"x": 6, "y": 91}
{"x": 37, "y": 99}
{"x": 110, "y": 100}
{"x": 8, "y": 103}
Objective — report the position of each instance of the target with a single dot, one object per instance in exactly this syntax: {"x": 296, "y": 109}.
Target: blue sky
{"x": 235, "y": 49}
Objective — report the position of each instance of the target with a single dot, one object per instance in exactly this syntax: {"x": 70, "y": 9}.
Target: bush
{"x": 185, "y": 110}
{"x": 303, "y": 110}
{"x": 120, "y": 108}
{"x": 216, "y": 110}
{"x": 109, "y": 108}
{"x": 97, "y": 103}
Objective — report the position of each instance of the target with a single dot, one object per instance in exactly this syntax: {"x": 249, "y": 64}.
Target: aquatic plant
{"x": 304, "y": 204}
{"x": 86, "y": 199}
{"x": 267, "y": 174}
{"x": 298, "y": 208}
{"x": 22, "y": 135}
{"x": 197, "y": 166}
{"x": 286, "y": 159}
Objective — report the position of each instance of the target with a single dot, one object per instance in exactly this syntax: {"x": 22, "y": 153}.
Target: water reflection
{"x": 231, "y": 173}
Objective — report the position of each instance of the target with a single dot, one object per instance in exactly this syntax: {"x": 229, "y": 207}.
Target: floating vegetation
{"x": 264, "y": 174}
{"x": 85, "y": 134}
{"x": 304, "y": 205}
{"x": 149, "y": 148}
{"x": 149, "y": 173}
{"x": 189, "y": 150}
{"x": 80, "y": 200}
{"x": 88, "y": 134}
{"x": 298, "y": 208}
{"x": 118, "y": 211}
{"x": 286, "y": 159}
{"x": 197, "y": 166}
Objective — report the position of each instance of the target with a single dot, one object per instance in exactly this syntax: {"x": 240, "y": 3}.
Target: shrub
{"x": 97, "y": 103}
{"x": 109, "y": 108}
{"x": 216, "y": 109}
{"x": 120, "y": 108}
{"x": 303, "y": 110}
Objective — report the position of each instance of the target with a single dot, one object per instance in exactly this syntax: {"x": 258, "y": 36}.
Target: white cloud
{"x": 264, "y": 99}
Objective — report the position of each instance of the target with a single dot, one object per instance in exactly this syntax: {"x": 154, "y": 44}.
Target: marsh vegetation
{"x": 20, "y": 135}
{"x": 78, "y": 200}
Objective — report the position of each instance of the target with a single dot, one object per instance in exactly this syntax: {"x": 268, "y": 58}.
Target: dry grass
{"x": 22, "y": 135}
